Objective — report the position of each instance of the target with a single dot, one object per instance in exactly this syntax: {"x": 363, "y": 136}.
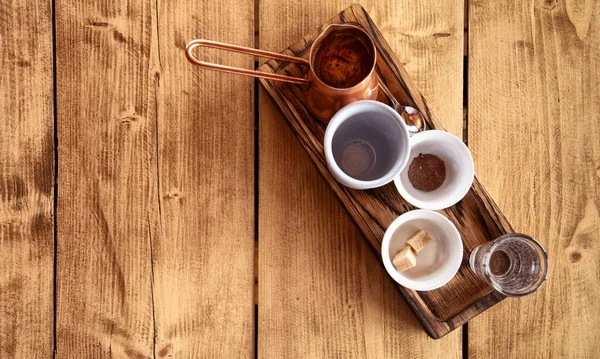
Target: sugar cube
{"x": 419, "y": 240}
{"x": 406, "y": 258}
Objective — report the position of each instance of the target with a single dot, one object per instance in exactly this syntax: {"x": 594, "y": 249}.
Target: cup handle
{"x": 412, "y": 117}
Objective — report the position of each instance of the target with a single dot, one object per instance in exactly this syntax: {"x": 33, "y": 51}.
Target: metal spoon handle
{"x": 414, "y": 118}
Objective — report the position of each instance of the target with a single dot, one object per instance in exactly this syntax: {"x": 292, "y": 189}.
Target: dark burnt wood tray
{"x": 477, "y": 217}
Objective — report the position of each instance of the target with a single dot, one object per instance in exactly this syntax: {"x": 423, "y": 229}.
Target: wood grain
{"x": 534, "y": 129}
{"x": 156, "y": 246}
{"x": 322, "y": 292}
{"x": 204, "y": 255}
{"x": 107, "y": 178}
{"x": 26, "y": 180}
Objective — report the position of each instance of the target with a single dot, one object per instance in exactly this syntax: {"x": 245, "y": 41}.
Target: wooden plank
{"x": 204, "y": 256}
{"x": 107, "y": 182}
{"x": 321, "y": 290}
{"x": 534, "y": 129}
{"x": 26, "y": 180}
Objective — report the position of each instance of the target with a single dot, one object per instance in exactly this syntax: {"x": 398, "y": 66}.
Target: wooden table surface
{"x": 151, "y": 209}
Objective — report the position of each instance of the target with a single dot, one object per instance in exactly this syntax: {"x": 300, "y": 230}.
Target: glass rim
{"x": 537, "y": 246}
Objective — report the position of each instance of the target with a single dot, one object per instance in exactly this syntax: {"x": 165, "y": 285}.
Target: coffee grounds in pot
{"x": 342, "y": 60}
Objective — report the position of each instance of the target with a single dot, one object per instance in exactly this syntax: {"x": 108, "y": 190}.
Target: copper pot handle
{"x": 244, "y": 50}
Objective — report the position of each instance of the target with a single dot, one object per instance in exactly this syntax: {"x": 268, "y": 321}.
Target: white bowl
{"x": 437, "y": 263}
{"x": 460, "y": 170}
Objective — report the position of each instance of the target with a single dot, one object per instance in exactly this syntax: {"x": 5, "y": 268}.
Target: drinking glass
{"x": 514, "y": 264}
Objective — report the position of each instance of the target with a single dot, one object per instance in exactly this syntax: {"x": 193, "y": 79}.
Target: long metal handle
{"x": 244, "y": 50}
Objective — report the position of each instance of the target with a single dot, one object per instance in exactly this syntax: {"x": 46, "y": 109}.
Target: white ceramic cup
{"x": 366, "y": 145}
{"x": 437, "y": 263}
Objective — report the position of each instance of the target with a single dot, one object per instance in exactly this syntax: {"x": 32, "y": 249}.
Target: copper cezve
{"x": 341, "y": 69}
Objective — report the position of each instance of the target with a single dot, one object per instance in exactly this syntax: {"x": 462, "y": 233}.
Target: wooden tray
{"x": 477, "y": 217}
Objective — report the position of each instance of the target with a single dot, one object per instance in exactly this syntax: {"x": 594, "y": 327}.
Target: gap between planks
{"x": 465, "y": 133}
{"x": 55, "y": 180}
{"x": 256, "y": 174}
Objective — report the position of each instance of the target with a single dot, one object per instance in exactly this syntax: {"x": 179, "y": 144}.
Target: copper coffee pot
{"x": 322, "y": 99}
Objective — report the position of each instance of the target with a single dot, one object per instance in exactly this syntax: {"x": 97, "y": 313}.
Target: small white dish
{"x": 460, "y": 170}
{"x": 437, "y": 263}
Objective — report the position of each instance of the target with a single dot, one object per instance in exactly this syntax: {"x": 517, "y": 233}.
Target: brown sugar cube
{"x": 419, "y": 240}
{"x": 406, "y": 258}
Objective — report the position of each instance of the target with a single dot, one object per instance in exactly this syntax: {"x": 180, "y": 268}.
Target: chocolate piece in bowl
{"x": 427, "y": 172}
